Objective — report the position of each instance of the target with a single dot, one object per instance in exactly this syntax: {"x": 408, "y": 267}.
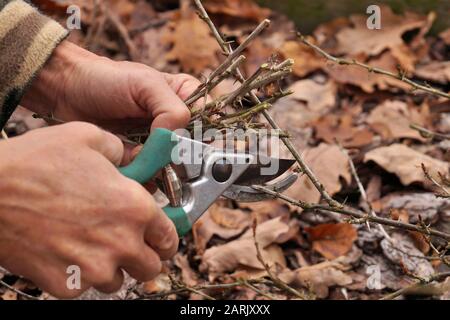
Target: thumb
{"x": 166, "y": 108}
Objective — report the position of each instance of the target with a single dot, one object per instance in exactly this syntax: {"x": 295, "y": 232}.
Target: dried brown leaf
{"x": 242, "y": 252}
{"x": 360, "y": 39}
{"x": 245, "y": 9}
{"x": 332, "y": 240}
{"x": 392, "y": 120}
{"x": 406, "y": 162}
{"x": 193, "y": 45}
{"x": 330, "y": 165}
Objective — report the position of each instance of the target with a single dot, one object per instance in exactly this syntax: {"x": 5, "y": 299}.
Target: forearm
{"x": 27, "y": 40}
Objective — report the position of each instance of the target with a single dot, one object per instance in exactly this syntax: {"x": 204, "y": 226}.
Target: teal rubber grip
{"x": 157, "y": 153}
{"x": 180, "y": 220}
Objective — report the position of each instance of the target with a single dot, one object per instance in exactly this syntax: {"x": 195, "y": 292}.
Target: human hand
{"x": 78, "y": 85}
{"x": 63, "y": 202}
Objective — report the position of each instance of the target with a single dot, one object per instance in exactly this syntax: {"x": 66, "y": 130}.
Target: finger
{"x": 184, "y": 85}
{"x": 106, "y": 143}
{"x": 114, "y": 285}
{"x": 143, "y": 266}
{"x": 166, "y": 108}
{"x": 130, "y": 152}
{"x": 161, "y": 235}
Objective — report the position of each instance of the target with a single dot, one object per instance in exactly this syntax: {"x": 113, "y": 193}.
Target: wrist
{"x": 48, "y": 88}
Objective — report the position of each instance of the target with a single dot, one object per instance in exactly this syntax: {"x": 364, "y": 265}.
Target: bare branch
{"x": 399, "y": 76}
{"x": 356, "y": 214}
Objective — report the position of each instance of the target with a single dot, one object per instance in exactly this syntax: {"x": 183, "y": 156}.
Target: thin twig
{"x": 19, "y": 292}
{"x": 212, "y": 84}
{"x": 399, "y": 76}
{"x": 428, "y": 134}
{"x": 446, "y": 192}
{"x": 363, "y": 193}
{"x": 206, "y": 287}
{"x": 277, "y": 281}
{"x": 232, "y": 54}
{"x": 419, "y": 284}
{"x": 355, "y": 214}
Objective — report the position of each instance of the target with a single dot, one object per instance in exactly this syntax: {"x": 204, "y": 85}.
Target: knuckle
{"x": 84, "y": 129}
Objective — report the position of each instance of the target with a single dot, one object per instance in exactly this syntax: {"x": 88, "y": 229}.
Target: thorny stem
{"x": 247, "y": 86}
{"x": 399, "y": 76}
{"x": 446, "y": 192}
{"x": 356, "y": 214}
{"x": 231, "y": 70}
{"x": 231, "y": 54}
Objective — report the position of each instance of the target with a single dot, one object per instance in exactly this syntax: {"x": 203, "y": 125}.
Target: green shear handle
{"x": 155, "y": 155}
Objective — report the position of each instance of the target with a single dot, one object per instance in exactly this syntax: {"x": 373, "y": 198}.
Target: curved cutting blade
{"x": 263, "y": 170}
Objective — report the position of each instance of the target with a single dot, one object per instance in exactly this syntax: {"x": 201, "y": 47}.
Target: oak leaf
{"x": 406, "y": 162}
{"x": 193, "y": 45}
{"x": 332, "y": 240}
{"x": 360, "y": 39}
{"x": 242, "y": 252}
{"x": 392, "y": 120}
{"x": 329, "y": 165}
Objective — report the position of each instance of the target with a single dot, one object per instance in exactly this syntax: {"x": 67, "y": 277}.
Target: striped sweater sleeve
{"x": 27, "y": 39}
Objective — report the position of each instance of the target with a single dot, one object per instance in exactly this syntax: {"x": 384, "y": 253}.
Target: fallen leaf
{"x": 401, "y": 251}
{"x": 306, "y": 59}
{"x": 329, "y": 165}
{"x": 319, "y": 278}
{"x": 331, "y": 128}
{"x": 392, "y": 120}
{"x": 242, "y": 252}
{"x": 188, "y": 275}
{"x": 405, "y": 163}
{"x": 332, "y": 240}
{"x": 245, "y": 9}
{"x": 424, "y": 204}
{"x": 266, "y": 210}
{"x": 400, "y": 215}
{"x": 367, "y": 81}
{"x": 221, "y": 221}
{"x": 360, "y": 39}
{"x": 437, "y": 71}
{"x": 193, "y": 45}
{"x": 420, "y": 241}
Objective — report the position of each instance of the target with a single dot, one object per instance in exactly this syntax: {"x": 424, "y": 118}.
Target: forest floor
{"x": 378, "y": 145}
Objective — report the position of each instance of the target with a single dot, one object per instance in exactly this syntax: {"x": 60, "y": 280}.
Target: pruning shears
{"x": 203, "y": 174}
